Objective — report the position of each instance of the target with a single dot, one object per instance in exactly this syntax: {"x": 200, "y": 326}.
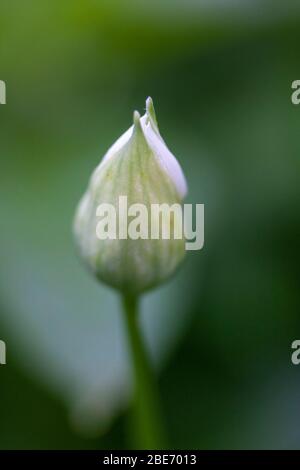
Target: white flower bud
{"x": 139, "y": 166}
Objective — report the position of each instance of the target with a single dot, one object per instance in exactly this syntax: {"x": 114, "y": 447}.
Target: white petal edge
{"x": 166, "y": 159}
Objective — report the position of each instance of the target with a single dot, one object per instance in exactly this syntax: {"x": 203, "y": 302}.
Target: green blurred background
{"x": 220, "y": 75}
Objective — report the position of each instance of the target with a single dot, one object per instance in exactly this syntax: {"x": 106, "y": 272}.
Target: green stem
{"x": 147, "y": 417}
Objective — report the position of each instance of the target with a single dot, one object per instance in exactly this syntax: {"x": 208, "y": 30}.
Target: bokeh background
{"x": 220, "y": 332}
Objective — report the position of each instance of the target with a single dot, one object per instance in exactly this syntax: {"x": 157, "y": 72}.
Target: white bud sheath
{"x": 139, "y": 166}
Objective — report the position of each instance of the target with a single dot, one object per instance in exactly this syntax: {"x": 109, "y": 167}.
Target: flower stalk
{"x": 147, "y": 421}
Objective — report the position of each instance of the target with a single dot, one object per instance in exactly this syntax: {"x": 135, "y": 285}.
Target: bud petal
{"x": 139, "y": 166}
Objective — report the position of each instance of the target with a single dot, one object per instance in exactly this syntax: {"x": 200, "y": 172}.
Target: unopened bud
{"x": 137, "y": 178}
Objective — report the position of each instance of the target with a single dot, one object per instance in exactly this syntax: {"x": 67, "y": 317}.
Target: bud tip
{"x": 136, "y": 118}
{"x": 150, "y": 110}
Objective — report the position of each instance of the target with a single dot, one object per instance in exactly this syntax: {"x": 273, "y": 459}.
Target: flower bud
{"x": 138, "y": 172}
